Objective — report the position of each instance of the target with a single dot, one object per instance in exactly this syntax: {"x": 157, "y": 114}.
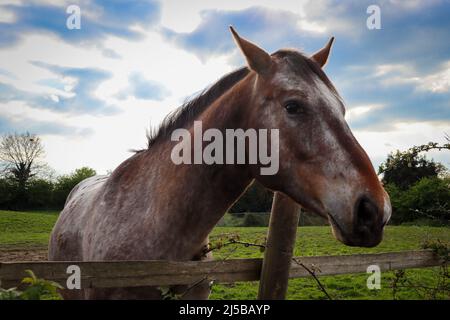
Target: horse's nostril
{"x": 366, "y": 213}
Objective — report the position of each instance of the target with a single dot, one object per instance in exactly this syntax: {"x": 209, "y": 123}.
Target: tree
{"x": 429, "y": 199}
{"x": 66, "y": 183}
{"x": 21, "y": 158}
{"x": 406, "y": 168}
{"x": 256, "y": 199}
{"x": 418, "y": 187}
{"x": 40, "y": 194}
{"x": 8, "y": 191}
{"x": 254, "y": 220}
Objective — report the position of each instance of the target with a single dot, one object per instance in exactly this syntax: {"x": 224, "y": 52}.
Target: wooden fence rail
{"x": 104, "y": 274}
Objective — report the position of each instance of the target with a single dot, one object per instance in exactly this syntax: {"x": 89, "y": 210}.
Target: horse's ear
{"x": 257, "y": 59}
{"x": 321, "y": 56}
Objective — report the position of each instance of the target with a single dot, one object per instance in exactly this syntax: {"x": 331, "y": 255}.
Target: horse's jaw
{"x": 352, "y": 238}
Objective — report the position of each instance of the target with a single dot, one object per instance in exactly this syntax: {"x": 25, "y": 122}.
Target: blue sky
{"x": 91, "y": 93}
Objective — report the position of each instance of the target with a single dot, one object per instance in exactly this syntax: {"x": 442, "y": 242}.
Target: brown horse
{"x": 150, "y": 208}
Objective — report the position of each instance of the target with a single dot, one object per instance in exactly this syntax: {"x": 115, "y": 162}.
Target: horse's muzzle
{"x": 367, "y": 226}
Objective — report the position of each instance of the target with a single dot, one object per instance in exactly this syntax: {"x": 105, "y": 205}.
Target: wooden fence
{"x": 103, "y": 274}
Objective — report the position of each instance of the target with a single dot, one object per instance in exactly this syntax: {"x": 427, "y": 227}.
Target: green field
{"x": 26, "y": 229}
{"x": 31, "y": 229}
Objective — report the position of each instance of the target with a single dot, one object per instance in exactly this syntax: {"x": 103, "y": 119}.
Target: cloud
{"x": 402, "y": 104}
{"x": 98, "y": 19}
{"x": 438, "y": 82}
{"x": 392, "y": 67}
{"x": 401, "y": 92}
{"x": 109, "y": 53}
{"x": 380, "y": 143}
{"x": 10, "y": 93}
{"x": 79, "y": 83}
{"x": 125, "y": 58}
{"x": 407, "y": 34}
{"x": 7, "y": 74}
{"x": 267, "y": 27}
{"x": 141, "y": 88}
{"x": 86, "y": 81}
{"x": 41, "y": 127}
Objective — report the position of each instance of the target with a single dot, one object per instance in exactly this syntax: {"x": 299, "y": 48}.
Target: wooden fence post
{"x": 279, "y": 248}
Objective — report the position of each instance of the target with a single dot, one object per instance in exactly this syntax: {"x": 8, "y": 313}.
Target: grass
{"x": 314, "y": 241}
{"x": 32, "y": 229}
{"x": 26, "y": 229}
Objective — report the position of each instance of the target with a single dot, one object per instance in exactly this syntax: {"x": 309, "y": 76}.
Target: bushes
{"x": 8, "y": 190}
{"x": 255, "y": 199}
{"x": 260, "y": 219}
{"x": 413, "y": 182}
{"x": 254, "y": 220}
{"x": 36, "y": 289}
{"x": 41, "y": 193}
{"x": 66, "y": 183}
{"x": 428, "y": 199}
{"x": 404, "y": 169}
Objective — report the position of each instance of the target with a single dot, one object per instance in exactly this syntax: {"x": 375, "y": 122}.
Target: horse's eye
{"x": 293, "y": 107}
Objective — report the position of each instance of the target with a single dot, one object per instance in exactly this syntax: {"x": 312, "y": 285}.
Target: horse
{"x": 149, "y": 208}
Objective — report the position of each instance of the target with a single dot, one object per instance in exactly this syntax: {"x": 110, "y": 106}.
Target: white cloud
{"x": 326, "y": 16}
{"x": 401, "y": 74}
{"x": 360, "y": 110}
{"x": 6, "y": 16}
{"x": 387, "y": 69}
{"x": 404, "y": 135}
{"x": 39, "y": 47}
{"x": 438, "y": 82}
{"x": 184, "y": 16}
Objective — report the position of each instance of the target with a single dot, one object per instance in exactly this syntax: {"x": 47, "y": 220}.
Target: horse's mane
{"x": 184, "y": 115}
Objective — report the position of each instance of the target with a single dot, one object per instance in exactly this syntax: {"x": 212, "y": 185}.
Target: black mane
{"x": 184, "y": 115}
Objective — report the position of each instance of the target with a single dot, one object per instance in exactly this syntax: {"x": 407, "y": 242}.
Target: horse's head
{"x": 321, "y": 165}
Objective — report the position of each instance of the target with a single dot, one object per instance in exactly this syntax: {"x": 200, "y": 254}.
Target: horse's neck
{"x": 182, "y": 203}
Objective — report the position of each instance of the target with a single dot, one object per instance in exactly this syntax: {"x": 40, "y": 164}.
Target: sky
{"x": 91, "y": 93}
